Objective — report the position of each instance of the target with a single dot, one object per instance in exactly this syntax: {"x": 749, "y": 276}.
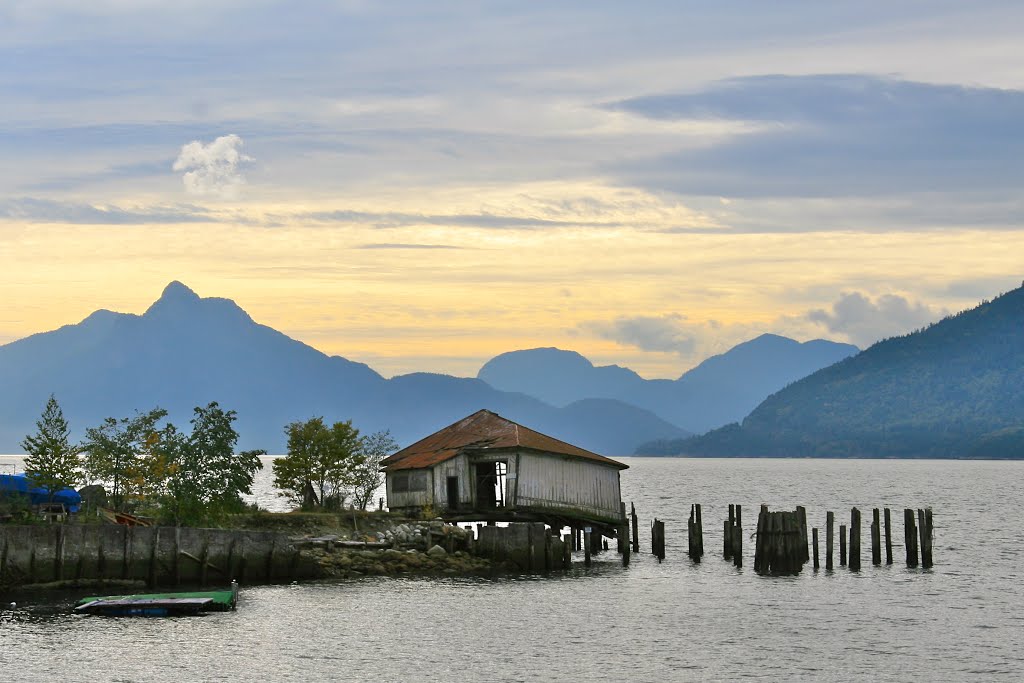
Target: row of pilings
{"x": 781, "y": 544}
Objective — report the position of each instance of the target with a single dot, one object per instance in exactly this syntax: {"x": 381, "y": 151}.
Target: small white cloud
{"x": 865, "y": 321}
{"x": 212, "y": 169}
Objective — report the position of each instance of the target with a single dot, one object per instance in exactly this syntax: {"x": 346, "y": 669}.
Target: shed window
{"x": 409, "y": 482}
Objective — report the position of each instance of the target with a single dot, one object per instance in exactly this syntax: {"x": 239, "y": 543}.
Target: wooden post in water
{"x": 888, "y": 536}
{"x": 801, "y": 517}
{"x": 636, "y": 530}
{"x": 814, "y": 537}
{"x": 842, "y": 545}
{"x": 661, "y": 540}
{"x": 737, "y": 538}
{"x": 760, "y": 538}
{"x": 624, "y": 537}
{"x": 876, "y": 538}
{"x": 854, "y": 560}
{"x": 586, "y": 547}
{"x": 926, "y": 540}
{"x": 700, "y": 533}
{"x": 910, "y": 537}
{"x": 830, "y": 519}
{"x": 727, "y": 534}
{"x": 695, "y": 534}
{"x": 567, "y": 550}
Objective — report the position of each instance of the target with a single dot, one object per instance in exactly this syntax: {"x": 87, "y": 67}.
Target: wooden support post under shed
{"x": 586, "y": 547}
{"x": 636, "y": 529}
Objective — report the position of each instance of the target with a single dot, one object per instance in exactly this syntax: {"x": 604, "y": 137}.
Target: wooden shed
{"x": 488, "y": 468}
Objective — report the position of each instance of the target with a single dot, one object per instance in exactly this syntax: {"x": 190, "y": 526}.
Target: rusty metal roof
{"x": 483, "y": 430}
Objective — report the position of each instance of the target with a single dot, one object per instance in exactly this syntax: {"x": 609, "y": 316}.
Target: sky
{"x": 422, "y": 186}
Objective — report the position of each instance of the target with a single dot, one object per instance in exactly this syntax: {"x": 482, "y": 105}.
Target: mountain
{"x": 954, "y": 389}
{"x": 722, "y": 389}
{"x": 186, "y": 351}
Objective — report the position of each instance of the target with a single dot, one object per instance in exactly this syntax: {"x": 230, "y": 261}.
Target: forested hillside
{"x": 954, "y": 389}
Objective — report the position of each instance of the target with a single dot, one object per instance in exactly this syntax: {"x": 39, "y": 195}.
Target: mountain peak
{"x": 176, "y": 291}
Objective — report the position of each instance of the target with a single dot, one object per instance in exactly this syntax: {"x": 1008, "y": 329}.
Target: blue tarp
{"x": 19, "y": 484}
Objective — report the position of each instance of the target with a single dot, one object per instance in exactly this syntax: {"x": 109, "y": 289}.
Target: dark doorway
{"x": 453, "y": 493}
{"x": 490, "y": 485}
{"x": 486, "y": 498}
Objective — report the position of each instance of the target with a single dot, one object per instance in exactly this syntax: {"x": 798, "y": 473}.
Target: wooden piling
{"x": 586, "y": 547}
{"x": 567, "y": 550}
{"x": 727, "y": 535}
{"x": 695, "y": 534}
{"x": 830, "y": 520}
{"x": 814, "y": 537}
{"x": 854, "y": 559}
{"x": 876, "y": 537}
{"x": 801, "y": 518}
{"x": 700, "y": 532}
{"x": 925, "y": 524}
{"x": 761, "y": 539}
{"x": 659, "y": 530}
{"x": 888, "y": 536}
{"x": 737, "y": 538}
{"x": 842, "y": 545}
{"x": 636, "y": 530}
{"x": 910, "y": 537}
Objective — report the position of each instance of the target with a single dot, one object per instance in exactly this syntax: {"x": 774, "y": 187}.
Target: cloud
{"x": 865, "y": 321}
{"x": 212, "y": 169}
{"x": 36, "y": 210}
{"x": 392, "y": 245}
{"x": 665, "y": 333}
{"x": 391, "y": 219}
{"x": 838, "y": 135}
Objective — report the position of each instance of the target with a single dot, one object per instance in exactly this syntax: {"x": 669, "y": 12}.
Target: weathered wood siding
{"x": 456, "y": 467}
{"x": 570, "y": 484}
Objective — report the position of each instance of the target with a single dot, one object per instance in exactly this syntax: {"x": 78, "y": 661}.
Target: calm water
{"x": 675, "y": 621}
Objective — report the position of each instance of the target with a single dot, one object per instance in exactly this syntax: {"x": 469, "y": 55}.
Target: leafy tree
{"x": 205, "y": 475}
{"x": 52, "y": 462}
{"x": 367, "y": 477}
{"x": 121, "y": 453}
{"x": 320, "y": 458}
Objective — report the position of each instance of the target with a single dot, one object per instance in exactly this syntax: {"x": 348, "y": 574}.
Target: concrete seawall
{"x": 160, "y": 556}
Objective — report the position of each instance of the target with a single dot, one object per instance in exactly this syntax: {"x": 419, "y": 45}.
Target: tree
{"x": 368, "y": 477}
{"x": 320, "y": 460}
{"x": 205, "y": 475}
{"x": 121, "y": 453}
{"x": 52, "y": 462}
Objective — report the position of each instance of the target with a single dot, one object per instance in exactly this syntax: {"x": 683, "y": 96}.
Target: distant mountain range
{"x": 186, "y": 351}
{"x": 954, "y": 389}
{"x": 722, "y": 389}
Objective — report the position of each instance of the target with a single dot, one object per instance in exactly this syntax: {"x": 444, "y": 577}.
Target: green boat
{"x": 160, "y": 604}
